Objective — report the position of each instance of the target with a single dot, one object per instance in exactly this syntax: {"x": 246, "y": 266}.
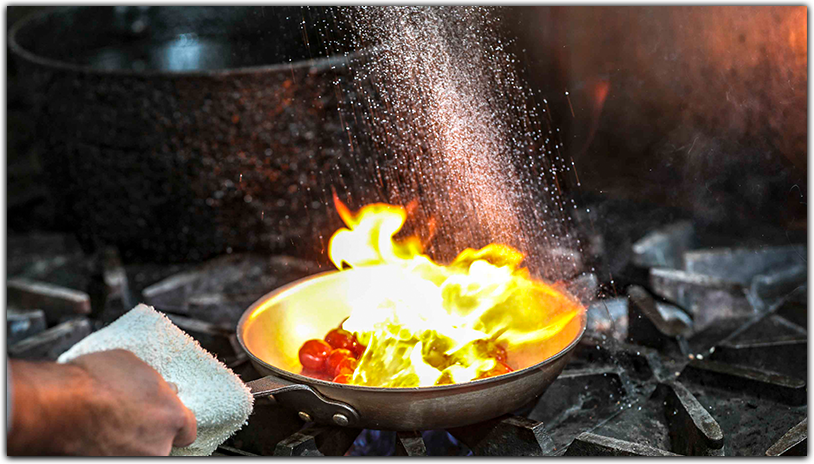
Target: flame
{"x": 429, "y": 326}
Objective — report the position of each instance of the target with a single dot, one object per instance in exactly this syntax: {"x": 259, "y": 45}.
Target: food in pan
{"x": 432, "y": 324}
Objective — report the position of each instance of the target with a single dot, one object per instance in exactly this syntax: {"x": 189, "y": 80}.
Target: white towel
{"x": 220, "y": 400}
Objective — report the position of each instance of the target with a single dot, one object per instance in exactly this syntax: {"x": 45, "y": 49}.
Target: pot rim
{"x": 314, "y": 64}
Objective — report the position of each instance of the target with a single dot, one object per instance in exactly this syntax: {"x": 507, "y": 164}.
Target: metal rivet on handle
{"x": 340, "y": 419}
{"x": 304, "y": 416}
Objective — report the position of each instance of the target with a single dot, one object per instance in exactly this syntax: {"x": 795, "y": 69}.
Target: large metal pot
{"x": 272, "y": 330}
{"x": 176, "y": 133}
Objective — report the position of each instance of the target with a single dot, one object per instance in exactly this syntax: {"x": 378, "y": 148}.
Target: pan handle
{"x": 310, "y": 404}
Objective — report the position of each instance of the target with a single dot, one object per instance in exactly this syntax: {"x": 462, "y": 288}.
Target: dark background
{"x": 693, "y": 111}
{"x": 705, "y": 107}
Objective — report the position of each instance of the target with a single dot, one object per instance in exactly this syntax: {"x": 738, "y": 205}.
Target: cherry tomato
{"x": 340, "y": 338}
{"x": 313, "y": 354}
{"x": 343, "y": 378}
{"x": 358, "y": 349}
{"x": 334, "y": 359}
{"x": 346, "y": 366}
{"x": 499, "y": 369}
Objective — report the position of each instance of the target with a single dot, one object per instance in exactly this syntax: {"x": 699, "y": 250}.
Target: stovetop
{"x": 691, "y": 349}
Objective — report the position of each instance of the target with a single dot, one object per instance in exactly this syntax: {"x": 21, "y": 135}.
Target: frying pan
{"x": 273, "y": 328}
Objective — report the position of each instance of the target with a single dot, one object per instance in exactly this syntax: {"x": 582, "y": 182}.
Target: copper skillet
{"x": 273, "y": 328}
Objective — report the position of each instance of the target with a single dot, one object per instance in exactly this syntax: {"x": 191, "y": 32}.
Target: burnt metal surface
{"x": 571, "y": 405}
{"x": 770, "y": 356}
{"x": 743, "y": 264}
{"x": 219, "y": 290}
{"x": 57, "y": 301}
{"x": 771, "y": 344}
{"x": 776, "y": 285}
{"x": 510, "y": 435}
{"x": 317, "y": 441}
{"x": 590, "y": 444}
{"x": 23, "y": 324}
{"x": 665, "y": 247}
{"x": 183, "y": 164}
{"x": 753, "y": 408}
{"x": 743, "y": 394}
{"x": 763, "y": 384}
{"x": 707, "y": 298}
{"x": 793, "y": 443}
{"x": 656, "y": 324}
{"x": 51, "y": 343}
{"x": 268, "y": 425}
{"x": 794, "y": 308}
{"x": 735, "y": 387}
{"x": 693, "y": 431}
{"x": 410, "y": 444}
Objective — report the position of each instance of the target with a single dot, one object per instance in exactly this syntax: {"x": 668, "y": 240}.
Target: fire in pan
{"x": 429, "y": 346}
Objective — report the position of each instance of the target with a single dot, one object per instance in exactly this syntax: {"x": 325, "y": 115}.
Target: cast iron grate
{"x": 701, "y": 352}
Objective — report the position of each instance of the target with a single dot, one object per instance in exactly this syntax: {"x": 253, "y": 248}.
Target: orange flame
{"x": 429, "y": 326}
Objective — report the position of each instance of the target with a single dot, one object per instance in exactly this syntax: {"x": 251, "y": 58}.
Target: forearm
{"x": 50, "y": 401}
{"x": 109, "y": 403}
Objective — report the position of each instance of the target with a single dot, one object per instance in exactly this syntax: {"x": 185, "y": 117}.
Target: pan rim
{"x": 288, "y": 375}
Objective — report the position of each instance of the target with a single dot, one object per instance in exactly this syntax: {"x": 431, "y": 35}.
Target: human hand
{"x": 106, "y": 403}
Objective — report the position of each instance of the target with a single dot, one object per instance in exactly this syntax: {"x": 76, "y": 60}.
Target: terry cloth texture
{"x": 220, "y": 400}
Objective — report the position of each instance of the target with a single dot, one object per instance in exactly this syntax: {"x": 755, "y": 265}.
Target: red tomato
{"x": 336, "y": 357}
{"x": 358, "y": 349}
{"x": 346, "y": 366}
{"x": 499, "y": 369}
{"x": 313, "y": 354}
{"x": 340, "y": 338}
{"x": 342, "y": 378}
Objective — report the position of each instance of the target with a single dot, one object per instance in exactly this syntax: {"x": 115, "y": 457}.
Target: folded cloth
{"x": 220, "y": 400}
